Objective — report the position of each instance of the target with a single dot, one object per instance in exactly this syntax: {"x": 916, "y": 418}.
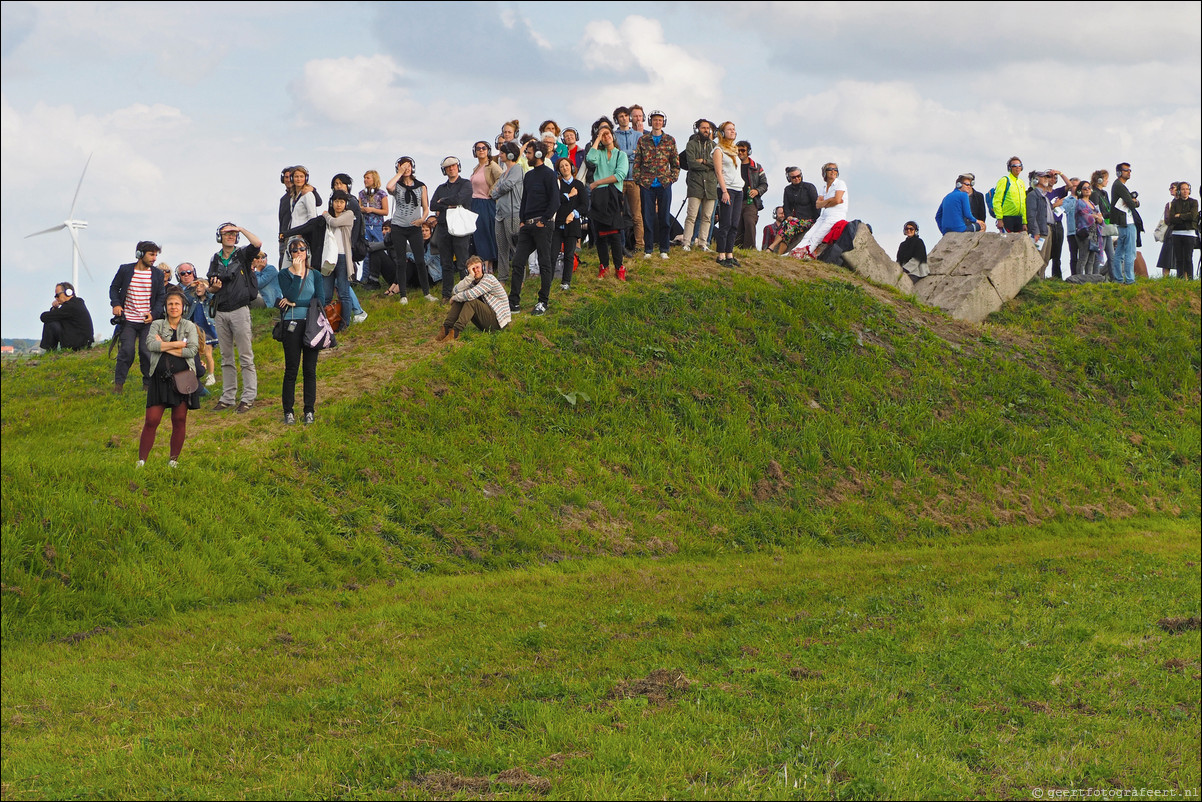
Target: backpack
{"x": 989, "y": 199}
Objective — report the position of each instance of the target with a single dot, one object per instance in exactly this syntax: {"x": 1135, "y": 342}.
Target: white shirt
{"x": 837, "y": 212}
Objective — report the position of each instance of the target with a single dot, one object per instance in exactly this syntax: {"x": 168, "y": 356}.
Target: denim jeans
{"x": 339, "y": 283}
{"x": 1123, "y": 268}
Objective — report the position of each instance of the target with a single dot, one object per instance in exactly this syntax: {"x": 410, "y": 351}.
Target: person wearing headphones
{"x": 484, "y": 176}
{"x": 912, "y": 248}
{"x": 655, "y": 168}
{"x": 507, "y": 194}
{"x": 701, "y": 185}
{"x": 453, "y": 250}
{"x": 234, "y": 284}
{"x": 410, "y": 208}
{"x": 540, "y": 202}
{"x": 136, "y": 296}
{"x": 955, "y": 211}
{"x": 67, "y": 323}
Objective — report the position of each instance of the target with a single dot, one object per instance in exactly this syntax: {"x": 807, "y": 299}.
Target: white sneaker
{"x": 686, "y": 248}
{"x": 172, "y": 463}
{"x": 647, "y": 255}
{"x": 359, "y": 318}
{"x": 431, "y": 298}
{"x": 706, "y": 248}
{"x": 210, "y": 380}
{"x": 404, "y": 299}
{"x": 663, "y": 256}
{"x": 565, "y": 287}
{"x": 140, "y": 463}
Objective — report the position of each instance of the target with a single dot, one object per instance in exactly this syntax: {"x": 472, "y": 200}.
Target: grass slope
{"x": 999, "y": 664}
{"x": 691, "y": 412}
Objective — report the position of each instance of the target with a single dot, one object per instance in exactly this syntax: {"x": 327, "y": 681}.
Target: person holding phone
{"x": 299, "y": 285}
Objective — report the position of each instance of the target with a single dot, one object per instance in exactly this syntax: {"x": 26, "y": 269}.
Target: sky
{"x": 189, "y": 110}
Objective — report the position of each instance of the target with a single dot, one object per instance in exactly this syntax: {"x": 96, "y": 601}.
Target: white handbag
{"x": 461, "y": 222}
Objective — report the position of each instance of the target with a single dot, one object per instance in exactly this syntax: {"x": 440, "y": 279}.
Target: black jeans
{"x": 1057, "y": 237}
{"x": 298, "y": 355}
{"x": 133, "y": 335}
{"x": 409, "y": 237}
{"x": 728, "y": 220}
{"x": 607, "y": 243}
{"x": 531, "y": 238}
{"x": 565, "y": 238}
{"x": 1012, "y": 223}
{"x": 452, "y": 247}
{"x": 1183, "y": 255}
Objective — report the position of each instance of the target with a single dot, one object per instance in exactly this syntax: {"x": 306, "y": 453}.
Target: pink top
{"x": 480, "y": 185}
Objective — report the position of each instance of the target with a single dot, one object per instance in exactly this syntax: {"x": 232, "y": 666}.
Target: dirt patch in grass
{"x": 80, "y": 637}
{"x": 1182, "y": 624}
{"x": 442, "y": 784}
{"x": 801, "y": 672}
{"x": 659, "y": 687}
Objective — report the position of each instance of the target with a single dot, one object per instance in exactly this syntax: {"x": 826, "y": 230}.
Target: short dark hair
{"x": 743, "y": 143}
{"x": 1118, "y": 168}
{"x": 343, "y": 177}
{"x": 621, "y": 110}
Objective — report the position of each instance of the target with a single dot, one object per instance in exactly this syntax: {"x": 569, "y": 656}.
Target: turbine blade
{"x": 71, "y": 215}
{"x": 79, "y": 252}
{"x": 46, "y": 231}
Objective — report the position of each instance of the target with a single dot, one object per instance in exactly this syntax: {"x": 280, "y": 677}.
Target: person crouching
{"x": 478, "y": 299}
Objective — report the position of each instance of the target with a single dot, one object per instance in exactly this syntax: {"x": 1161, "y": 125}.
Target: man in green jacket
{"x": 1010, "y": 199}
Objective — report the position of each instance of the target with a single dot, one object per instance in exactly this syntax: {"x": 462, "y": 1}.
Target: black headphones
{"x": 223, "y": 225}
{"x": 146, "y": 246}
{"x": 444, "y": 167}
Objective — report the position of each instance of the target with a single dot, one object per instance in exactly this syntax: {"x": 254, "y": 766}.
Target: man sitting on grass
{"x": 478, "y": 299}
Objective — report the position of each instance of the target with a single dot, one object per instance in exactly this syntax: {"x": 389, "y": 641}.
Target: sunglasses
{"x": 297, "y": 249}
{"x": 186, "y": 273}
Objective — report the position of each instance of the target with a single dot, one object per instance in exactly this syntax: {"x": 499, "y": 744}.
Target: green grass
{"x": 985, "y": 667}
{"x": 734, "y": 414}
{"x": 703, "y": 535}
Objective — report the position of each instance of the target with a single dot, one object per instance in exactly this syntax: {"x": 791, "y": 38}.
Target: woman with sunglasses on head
{"x": 411, "y": 207}
{"x": 832, "y": 205}
{"x": 484, "y": 177}
{"x": 172, "y": 342}
{"x": 299, "y": 285}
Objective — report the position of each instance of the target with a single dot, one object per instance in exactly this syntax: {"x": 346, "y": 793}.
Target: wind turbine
{"x": 72, "y": 225}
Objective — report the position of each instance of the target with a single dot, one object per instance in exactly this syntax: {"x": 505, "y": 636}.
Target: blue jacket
{"x": 955, "y": 213}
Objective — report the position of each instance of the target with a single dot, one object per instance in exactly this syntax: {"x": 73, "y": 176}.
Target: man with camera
{"x": 137, "y": 295}
{"x": 234, "y": 283}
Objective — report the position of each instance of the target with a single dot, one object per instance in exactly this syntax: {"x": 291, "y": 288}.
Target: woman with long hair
{"x": 172, "y": 342}
{"x": 1088, "y": 224}
{"x": 484, "y": 176}
{"x": 373, "y": 205}
{"x": 299, "y": 285}
{"x": 566, "y": 233}
{"x": 410, "y": 210}
{"x": 730, "y": 193}
{"x": 607, "y": 204}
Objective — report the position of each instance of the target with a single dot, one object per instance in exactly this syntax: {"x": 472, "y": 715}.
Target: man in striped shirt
{"x": 137, "y": 295}
{"x": 478, "y": 299}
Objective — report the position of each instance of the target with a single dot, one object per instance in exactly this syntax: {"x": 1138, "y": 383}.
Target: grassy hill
{"x": 771, "y": 534}
{"x": 691, "y": 411}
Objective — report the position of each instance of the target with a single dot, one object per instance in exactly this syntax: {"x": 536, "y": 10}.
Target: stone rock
{"x": 972, "y": 274}
{"x": 868, "y": 259}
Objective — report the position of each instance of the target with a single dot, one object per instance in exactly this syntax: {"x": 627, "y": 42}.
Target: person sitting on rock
{"x": 955, "y": 211}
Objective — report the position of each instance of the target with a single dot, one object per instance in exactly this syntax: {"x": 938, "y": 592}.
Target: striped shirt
{"x": 137, "y": 297}
{"x": 491, "y": 290}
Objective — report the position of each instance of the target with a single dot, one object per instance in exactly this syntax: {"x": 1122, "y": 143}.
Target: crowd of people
{"x": 527, "y": 207}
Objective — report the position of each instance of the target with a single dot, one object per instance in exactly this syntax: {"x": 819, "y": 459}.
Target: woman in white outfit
{"x": 832, "y": 200}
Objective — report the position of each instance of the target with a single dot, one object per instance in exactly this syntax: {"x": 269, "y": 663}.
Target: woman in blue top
{"x": 298, "y": 286}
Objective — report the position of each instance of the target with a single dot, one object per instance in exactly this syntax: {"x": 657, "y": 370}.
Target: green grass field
{"x": 778, "y": 535}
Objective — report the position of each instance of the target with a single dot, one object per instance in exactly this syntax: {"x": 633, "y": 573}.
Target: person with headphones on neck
{"x": 234, "y": 283}
{"x": 540, "y": 202}
{"x": 67, "y": 323}
{"x": 136, "y": 295}
{"x": 456, "y": 191}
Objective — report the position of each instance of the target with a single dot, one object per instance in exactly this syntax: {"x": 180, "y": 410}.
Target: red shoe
{"x": 601, "y": 272}
{"x": 622, "y": 273}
